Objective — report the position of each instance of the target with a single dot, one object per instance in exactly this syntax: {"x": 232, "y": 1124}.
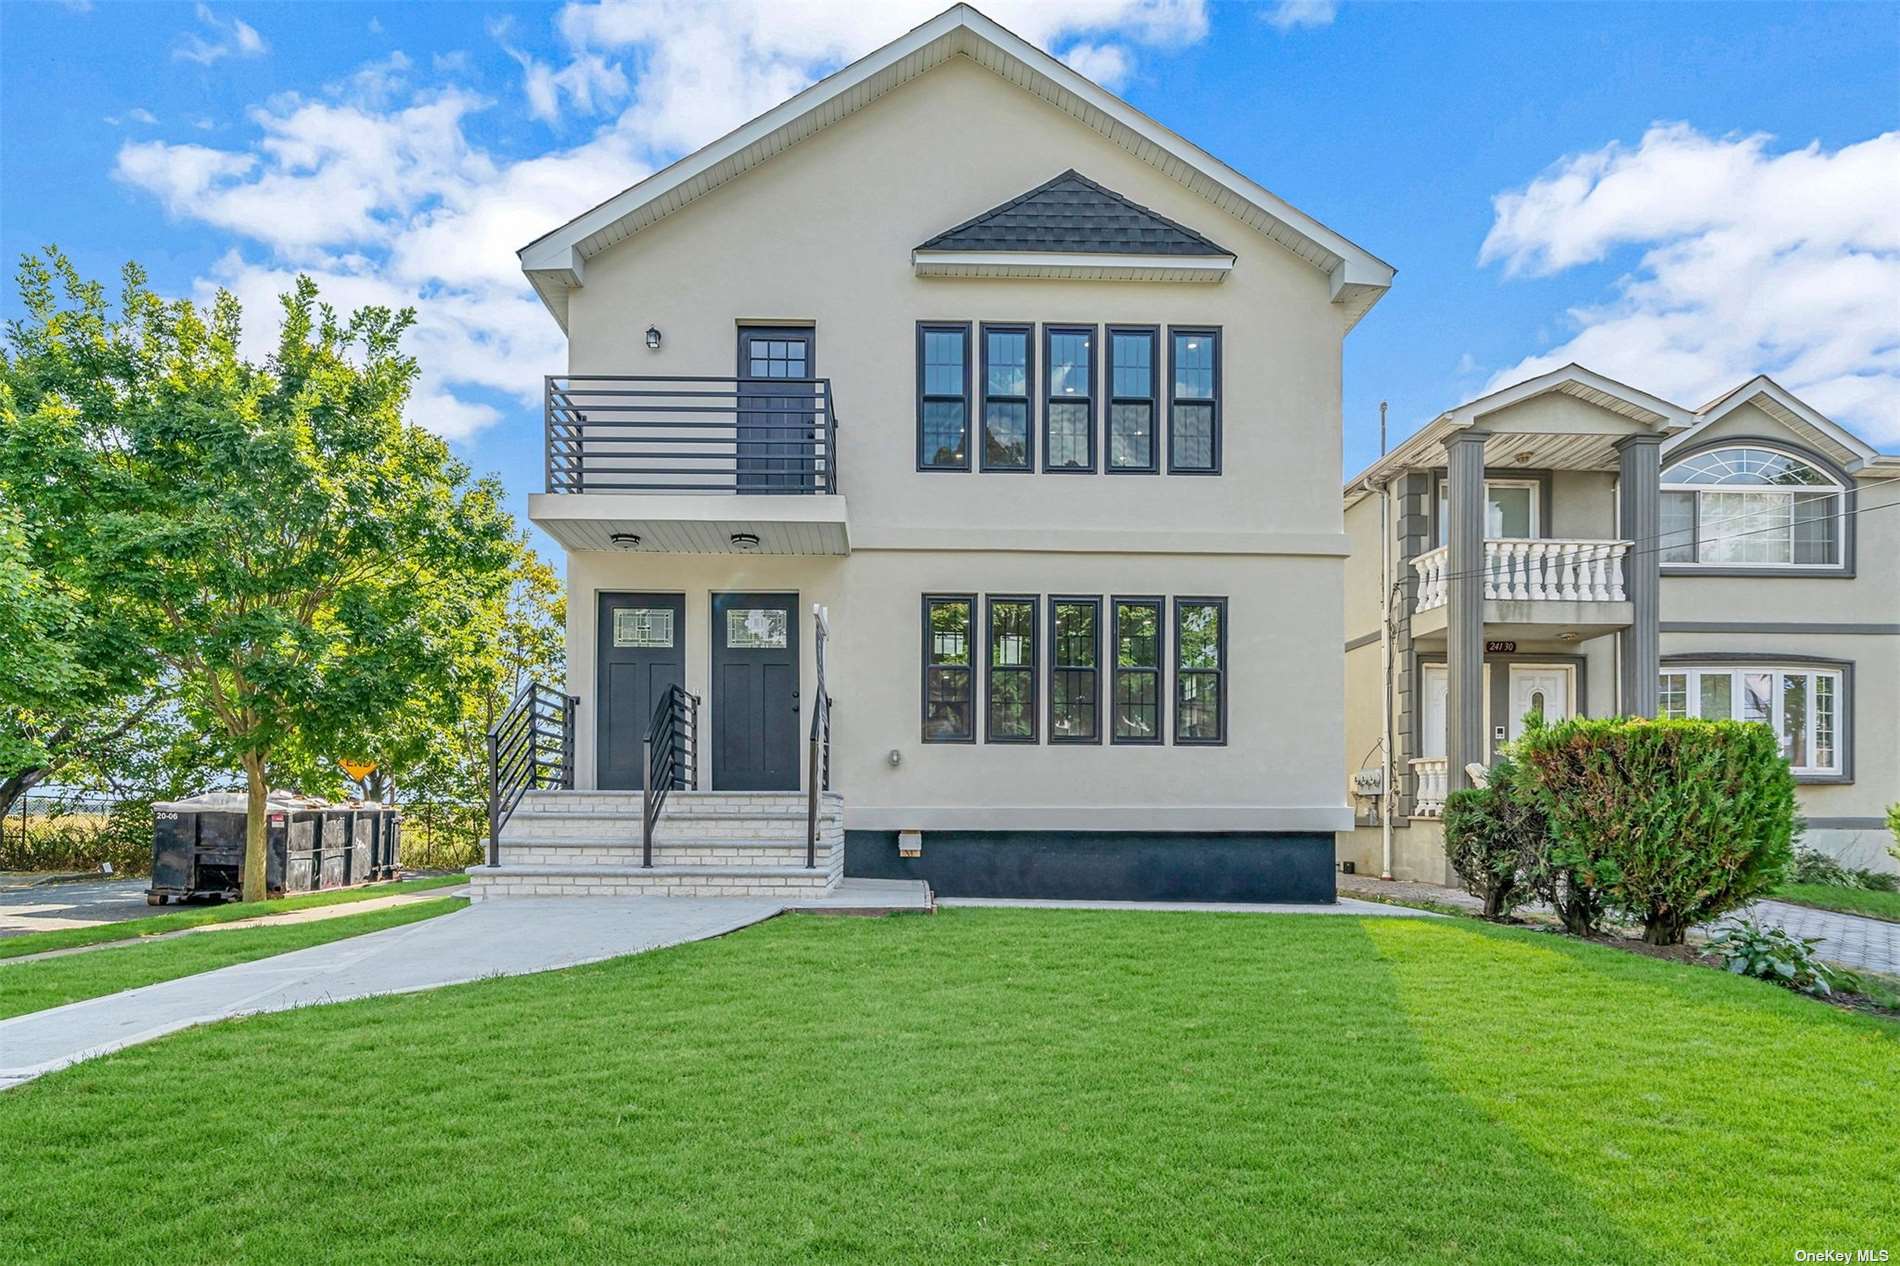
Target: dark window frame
{"x": 1152, "y": 400}
{"x": 1034, "y": 603}
{"x": 1093, "y": 600}
{"x": 1094, "y": 332}
{"x": 1212, "y": 332}
{"x": 1220, "y": 673}
{"x": 923, "y": 727}
{"x": 1028, "y": 399}
{"x": 969, "y": 427}
{"x": 1115, "y": 670}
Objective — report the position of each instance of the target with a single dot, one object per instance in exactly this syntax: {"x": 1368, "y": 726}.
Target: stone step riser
{"x": 502, "y": 888}
{"x": 607, "y": 854}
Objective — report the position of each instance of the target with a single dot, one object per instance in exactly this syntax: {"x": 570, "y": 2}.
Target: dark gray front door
{"x": 778, "y": 410}
{"x": 755, "y": 692}
{"x": 642, "y": 651}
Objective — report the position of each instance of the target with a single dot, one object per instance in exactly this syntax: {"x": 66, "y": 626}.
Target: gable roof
{"x": 1072, "y": 213}
{"x": 556, "y": 262}
{"x": 1805, "y": 422}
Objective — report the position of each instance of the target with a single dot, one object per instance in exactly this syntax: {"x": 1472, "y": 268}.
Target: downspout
{"x": 1385, "y": 664}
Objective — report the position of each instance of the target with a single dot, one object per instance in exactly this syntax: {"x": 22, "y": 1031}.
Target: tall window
{"x": 1131, "y": 398}
{"x": 1075, "y": 645}
{"x": 1511, "y": 509}
{"x": 1068, "y": 419}
{"x": 1011, "y": 656}
{"x": 1748, "y": 506}
{"x": 1008, "y": 371}
{"x": 1136, "y": 692}
{"x": 1194, "y": 401}
{"x": 1801, "y": 705}
{"x": 949, "y": 679}
{"x": 943, "y": 397}
{"x": 1200, "y": 670}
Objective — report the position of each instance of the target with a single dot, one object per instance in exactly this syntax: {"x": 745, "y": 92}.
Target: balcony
{"x": 1434, "y": 781}
{"x": 1533, "y": 587}
{"x": 692, "y": 465}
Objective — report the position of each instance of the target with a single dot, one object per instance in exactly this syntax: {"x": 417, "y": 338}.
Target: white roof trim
{"x": 1073, "y": 265}
{"x": 1791, "y": 411}
{"x": 553, "y": 261}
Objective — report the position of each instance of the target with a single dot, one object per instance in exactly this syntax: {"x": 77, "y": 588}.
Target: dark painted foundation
{"x": 1105, "y": 865}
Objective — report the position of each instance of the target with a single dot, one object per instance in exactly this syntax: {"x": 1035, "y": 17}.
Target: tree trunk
{"x": 256, "y": 828}
{"x": 1664, "y": 929}
{"x": 16, "y": 785}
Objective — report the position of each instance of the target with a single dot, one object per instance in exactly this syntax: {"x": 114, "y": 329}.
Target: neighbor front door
{"x": 755, "y": 692}
{"x": 1540, "y": 689}
{"x": 642, "y": 653}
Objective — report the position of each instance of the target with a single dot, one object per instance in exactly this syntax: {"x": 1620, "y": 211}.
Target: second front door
{"x": 755, "y": 692}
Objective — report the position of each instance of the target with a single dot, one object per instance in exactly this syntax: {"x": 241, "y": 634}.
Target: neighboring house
{"x": 1573, "y": 545}
{"x": 1040, "y": 404}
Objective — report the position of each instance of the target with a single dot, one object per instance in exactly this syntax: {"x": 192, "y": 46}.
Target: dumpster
{"x": 198, "y": 845}
{"x": 333, "y": 847}
{"x": 301, "y": 826}
{"x": 362, "y": 866}
{"x": 392, "y": 843}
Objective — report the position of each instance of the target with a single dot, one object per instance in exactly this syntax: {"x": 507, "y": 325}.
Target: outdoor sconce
{"x": 653, "y": 338}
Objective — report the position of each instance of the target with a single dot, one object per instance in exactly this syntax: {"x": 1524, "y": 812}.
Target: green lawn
{"x": 198, "y": 916}
{"x": 53, "y": 982}
{"x": 993, "y": 1086}
{"x": 1881, "y": 905}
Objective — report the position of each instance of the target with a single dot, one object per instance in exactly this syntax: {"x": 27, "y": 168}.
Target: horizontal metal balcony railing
{"x": 1538, "y": 570}
{"x": 636, "y": 433}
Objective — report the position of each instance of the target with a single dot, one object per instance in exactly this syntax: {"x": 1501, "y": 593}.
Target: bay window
{"x": 1803, "y": 706}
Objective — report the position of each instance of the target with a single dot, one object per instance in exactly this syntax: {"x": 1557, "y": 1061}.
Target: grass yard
{"x": 1879, "y": 905}
{"x": 199, "y": 916}
{"x": 54, "y": 982}
{"x": 993, "y": 1086}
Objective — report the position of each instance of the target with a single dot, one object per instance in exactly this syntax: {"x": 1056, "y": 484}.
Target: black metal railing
{"x": 818, "y": 776}
{"x": 530, "y": 748}
{"x": 670, "y": 759}
{"x": 632, "y": 433}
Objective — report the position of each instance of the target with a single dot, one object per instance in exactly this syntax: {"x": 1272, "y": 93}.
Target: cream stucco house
{"x": 1015, "y": 415}
{"x": 1574, "y": 545}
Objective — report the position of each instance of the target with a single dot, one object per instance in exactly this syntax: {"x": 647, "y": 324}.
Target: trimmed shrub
{"x": 1493, "y": 835}
{"x": 1893, "y": 825}
{"x": 1676, "y": 822}
{"x": 1814, "y": 867}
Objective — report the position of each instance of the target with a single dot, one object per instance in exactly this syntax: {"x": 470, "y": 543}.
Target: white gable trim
{"x": 1802, "y": 420}
{"x": 1072, "y": 265}
{"x": 553, "y": 262}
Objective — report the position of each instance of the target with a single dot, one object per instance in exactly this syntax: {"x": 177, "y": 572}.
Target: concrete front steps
{"x": 706, "y": 844}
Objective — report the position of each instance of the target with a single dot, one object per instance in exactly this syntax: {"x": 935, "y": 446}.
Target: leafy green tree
{"x": 302, "y": 562}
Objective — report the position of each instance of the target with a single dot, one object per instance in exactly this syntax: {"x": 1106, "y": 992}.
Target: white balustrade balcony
{"x": 1534, "y": 570}
{"x": 1434, "y": 783}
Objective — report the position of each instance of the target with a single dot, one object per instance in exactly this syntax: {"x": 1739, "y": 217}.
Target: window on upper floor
{"x": 943, "y": 396}
{"x": 949, "y": 676}
{"x": 1511, "y": 509}
{"x": 1751, "y": 506}
{"x": 1803, "y": 706}
{"x": 1194, "y": 440}
{"x": 1131, "y": 398}
{"x": 1008, "y": 374}
{"x": 1068, "y": 420}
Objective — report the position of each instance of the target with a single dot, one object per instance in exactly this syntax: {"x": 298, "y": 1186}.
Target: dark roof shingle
{"x": 1074, "y": 214}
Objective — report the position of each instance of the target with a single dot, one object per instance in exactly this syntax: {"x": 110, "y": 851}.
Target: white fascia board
{"x": 1673, "y": 416}
{"x": 1204, "y": 268}
{"x": 1762, "y": 385}
{"x": 1356, "y": 270}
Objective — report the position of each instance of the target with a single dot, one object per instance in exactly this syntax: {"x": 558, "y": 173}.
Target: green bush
{"x": 1814, "y": 867}
{"x": 1893, "y": 825}
{"x": 1770, "y": 954}
{"x": 80, "y": 841}
{"x": 1675, "y": 822}
{"x": 1494, "y": 835}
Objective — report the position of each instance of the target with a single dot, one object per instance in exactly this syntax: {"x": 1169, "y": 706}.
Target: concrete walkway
{"x": 493, "y": 938}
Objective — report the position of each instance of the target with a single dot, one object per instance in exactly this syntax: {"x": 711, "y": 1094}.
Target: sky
{"x": 1677, "y": 195}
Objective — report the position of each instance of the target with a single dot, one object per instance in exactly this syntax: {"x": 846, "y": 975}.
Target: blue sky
{"x": 1680, "y": 195}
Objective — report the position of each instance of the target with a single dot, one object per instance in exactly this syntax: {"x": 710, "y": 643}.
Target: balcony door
{"x": 777, "y": 409}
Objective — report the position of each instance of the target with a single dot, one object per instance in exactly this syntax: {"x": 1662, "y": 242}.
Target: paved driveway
{"x": 44, "y": 907}
{"x": 1852, "y": 939}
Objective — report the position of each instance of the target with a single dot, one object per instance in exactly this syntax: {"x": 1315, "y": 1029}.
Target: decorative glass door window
{"x": 1751, "y": 507}
{"x": 1801, "y": 705}
{"x": 755, "y": 628}
{"x": 646, "y": 628}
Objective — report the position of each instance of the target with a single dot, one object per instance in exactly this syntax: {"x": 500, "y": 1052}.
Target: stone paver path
{"x": 1853, "y": 940}
{"x": 493, "y": 938}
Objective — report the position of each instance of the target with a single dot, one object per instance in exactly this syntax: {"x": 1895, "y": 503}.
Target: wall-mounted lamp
{"x": 745, "y": 542}
{"x": 896, "y": 758}
{"x": 653, "y": 338}
{"x": 625, "y": 540}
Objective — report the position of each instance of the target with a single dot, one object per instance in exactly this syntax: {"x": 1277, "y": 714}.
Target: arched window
{"x": 1750, "y": 506}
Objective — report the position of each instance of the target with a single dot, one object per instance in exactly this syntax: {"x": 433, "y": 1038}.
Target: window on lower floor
{"x": 1075, "y": 670}
{"x": 1802, "y": 705}
{"x": 949, "y": 678}
{"x": 1011, "y": 670}
{"x": 1136, "y": 691}
{"x": 1200, "y": 670}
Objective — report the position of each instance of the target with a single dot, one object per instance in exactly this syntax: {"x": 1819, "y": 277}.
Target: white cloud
{"x": 229, "y": 37}
{"x": 1750, "y": 261}
{"x": 1107, "y": 64}
{"x": 137, "y": 114}
{"x": 1288, "y": 15}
